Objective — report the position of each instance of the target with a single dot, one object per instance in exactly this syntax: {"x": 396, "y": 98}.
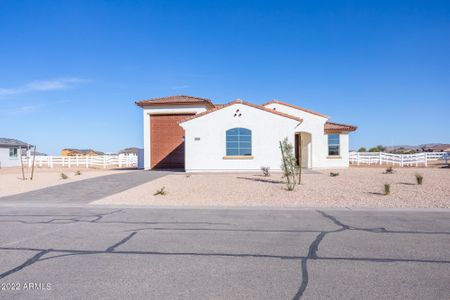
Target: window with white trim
{"x": 13, "y": 152}
{"x": 239, "y": 142}
{"x": 333, "y": 145}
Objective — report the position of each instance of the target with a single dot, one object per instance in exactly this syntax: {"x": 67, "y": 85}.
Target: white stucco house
{"x": 199, "y": 136}
{"x": 9, "y": 152}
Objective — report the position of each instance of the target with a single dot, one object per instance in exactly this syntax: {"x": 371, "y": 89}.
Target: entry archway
{"x": 303, "y": 149}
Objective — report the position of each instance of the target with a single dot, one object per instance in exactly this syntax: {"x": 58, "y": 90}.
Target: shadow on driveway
{"x": 85, "y": 191}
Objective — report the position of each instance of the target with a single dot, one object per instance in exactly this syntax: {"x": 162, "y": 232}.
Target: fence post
{"x": 357, "y": 158}
{"x": 104, "y": 162}
{"x": 51, "y": 162}
{"x": 68, "y": 163}
{"x": 401, "y": 160}
{"x": 381, "y": 161}
{"x": 77, "y": 160}
{"x": 426, "y": 160}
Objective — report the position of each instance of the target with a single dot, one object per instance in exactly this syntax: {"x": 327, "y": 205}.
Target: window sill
{"x": 334, "y": 157}
{"x": 239, "y": 157}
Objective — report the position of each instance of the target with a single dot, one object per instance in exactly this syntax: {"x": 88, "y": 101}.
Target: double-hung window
{"x": 333, "y": 145}
{"x": 239, "y": 142}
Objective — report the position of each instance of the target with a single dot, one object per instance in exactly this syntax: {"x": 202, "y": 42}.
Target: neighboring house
{"x": 9, "y": 152}
{"x": 131, "y": 150}
{"x": 80, "y": 152}
{"x": 139, "y": 152}
{"x": 194, "y": 134}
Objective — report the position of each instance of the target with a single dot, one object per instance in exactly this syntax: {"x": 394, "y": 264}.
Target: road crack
{"x": 27, "y": 263}
{"x": 121, "y": 242}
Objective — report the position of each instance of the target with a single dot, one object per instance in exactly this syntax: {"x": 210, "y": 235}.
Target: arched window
{"x": 239, "y": 142}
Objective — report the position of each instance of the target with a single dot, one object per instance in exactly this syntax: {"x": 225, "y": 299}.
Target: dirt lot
{"x": 354, "y": 187}
{"x": 11, "y": 178}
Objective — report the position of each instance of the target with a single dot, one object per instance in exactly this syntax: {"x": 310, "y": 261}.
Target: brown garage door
{"x": 167, "y": 144}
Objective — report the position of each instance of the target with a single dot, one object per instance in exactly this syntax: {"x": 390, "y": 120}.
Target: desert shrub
{"x": 419, "y": 179}
{"x": 162, "y": 191}
{"x": 77, "y": 172}
{"x": 389, "y": 170}
{"x": 288, "y": 164}
{"x": 387, "y": 189}
{"x": 63, "y": 176}
{"x": 333, "y": 174}
{"x": 265, "y": 171}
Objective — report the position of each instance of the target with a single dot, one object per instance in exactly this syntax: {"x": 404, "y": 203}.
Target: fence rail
{"x": 102, "y": 161}
{"x": 374, "y": 158}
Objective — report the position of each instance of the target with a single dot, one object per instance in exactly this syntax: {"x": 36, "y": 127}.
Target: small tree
{"x": 379, "y": 148}
{"x": 362, "y": 149}
{"x": 288, "y": 165}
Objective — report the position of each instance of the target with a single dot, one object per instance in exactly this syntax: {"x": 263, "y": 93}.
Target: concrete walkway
{"x": 84, "y": 191}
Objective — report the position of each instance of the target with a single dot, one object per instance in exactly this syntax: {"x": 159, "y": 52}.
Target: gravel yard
{"x": 354, "y": 187}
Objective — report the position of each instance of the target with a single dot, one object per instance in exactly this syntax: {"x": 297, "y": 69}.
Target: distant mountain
{"x": 81, "y": 152}
{"x": 435, "y": 147}
{"x": 432, "y": 147}
{"x": 406, "y": 147}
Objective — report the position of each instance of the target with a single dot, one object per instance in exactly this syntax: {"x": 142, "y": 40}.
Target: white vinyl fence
{"x": 100, "y": 161}
{"x": 379, "y": 158}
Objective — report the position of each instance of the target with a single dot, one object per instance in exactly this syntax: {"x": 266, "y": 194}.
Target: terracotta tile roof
{"x": 244, "y": 103}
{"x": 175, "y": 100}
{"x": 219, "y": 105}
{"x": 296, "y": 107}
{"x": 331, "y": 127}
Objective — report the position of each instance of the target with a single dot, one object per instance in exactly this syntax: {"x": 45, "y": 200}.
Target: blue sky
{"x": 70, "y": 71}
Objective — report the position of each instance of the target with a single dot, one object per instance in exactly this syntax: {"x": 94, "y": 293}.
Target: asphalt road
{"x": 142, "y": 253}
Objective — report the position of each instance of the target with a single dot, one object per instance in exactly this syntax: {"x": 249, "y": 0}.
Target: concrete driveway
{"x": 83, "y": 191}
{"x": 146, "y": 253}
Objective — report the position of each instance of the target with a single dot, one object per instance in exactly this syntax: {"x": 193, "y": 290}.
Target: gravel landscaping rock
{"x": 353, "y": 187}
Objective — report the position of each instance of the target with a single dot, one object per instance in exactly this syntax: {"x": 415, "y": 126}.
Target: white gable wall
{"x": 296, "y": 112}
{"x": 205, "y": 143}
{"x": 6, "y": 161}
{"x": 314, "y": 125}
